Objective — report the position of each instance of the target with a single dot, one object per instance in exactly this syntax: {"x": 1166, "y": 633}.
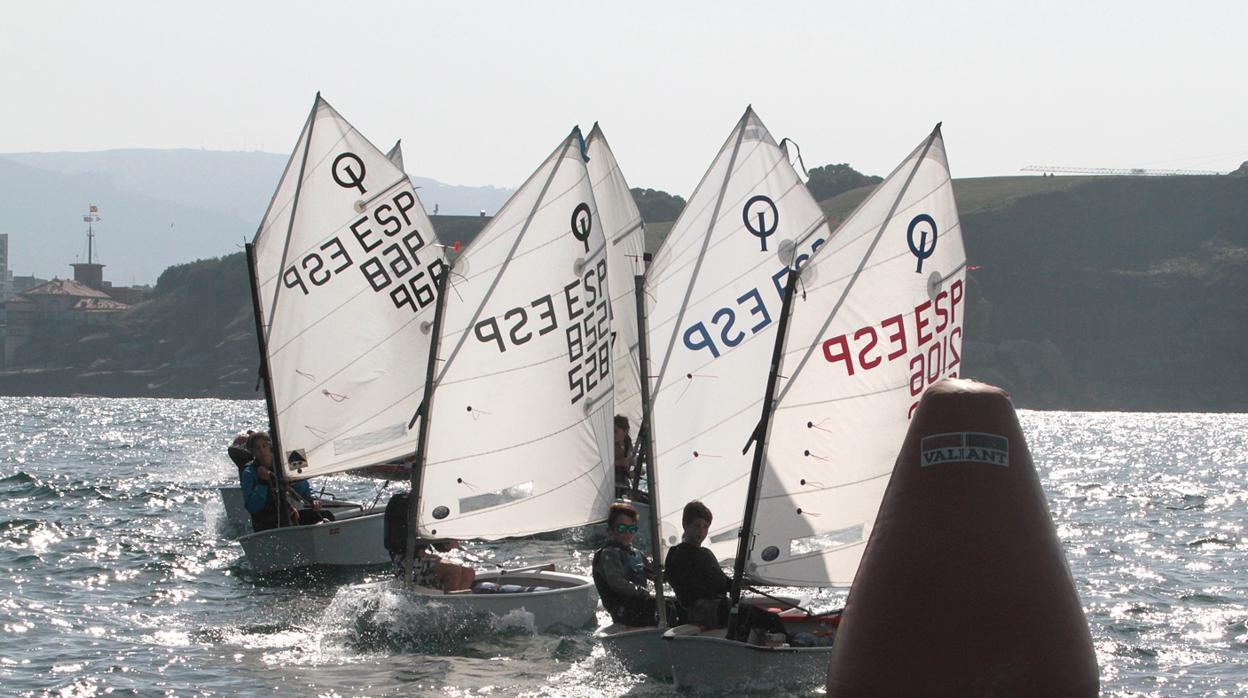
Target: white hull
{"x": 643, "y": 650}
{"x": 354, "y": 540}
{"x": 710, "y": 662}
{"x": 640, "y": 650}
{"x": 570, "y": 602}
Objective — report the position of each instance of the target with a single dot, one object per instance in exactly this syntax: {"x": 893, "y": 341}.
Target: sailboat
{"x": 518, "y": 411}
{"x": 874, "y": 318}
{"x": 714, "y": 295}
{"x": 238, "y": 521}
{"x": 343, "y": 270}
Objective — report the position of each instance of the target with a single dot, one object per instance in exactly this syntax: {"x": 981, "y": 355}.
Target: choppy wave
{"x": 119, "y": 576}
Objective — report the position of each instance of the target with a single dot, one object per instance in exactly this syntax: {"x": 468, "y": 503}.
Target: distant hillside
{"x": 158, "y": 207}
{"x": 1113, "y": 293}
{"x": 1105, "y": 292}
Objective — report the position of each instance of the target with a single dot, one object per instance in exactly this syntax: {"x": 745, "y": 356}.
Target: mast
{"x": 279, "y": 468}
{"x": 759, "y": 440}
{"x": 647, "y": 445}
{"x": 283, "y": 518}
{"x": 422, "y": 440}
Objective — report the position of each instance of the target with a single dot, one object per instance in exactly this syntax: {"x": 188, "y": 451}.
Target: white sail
{"x": 395, "y": 154}
{"x": 345, "y": 260}
{"x": 521, "y": 412}
{"x": 876, "y": 320}
{"x": 715, "y": 288}
{"x": 626, "y": 244}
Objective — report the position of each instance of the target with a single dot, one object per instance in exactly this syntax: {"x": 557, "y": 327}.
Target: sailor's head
{"x": 621, "y": 427}
{"x": 696, "y": 520}
{"x": 622, "y": 522}
{"x": 261, "y": 446}
{"x": 240, "y": 439}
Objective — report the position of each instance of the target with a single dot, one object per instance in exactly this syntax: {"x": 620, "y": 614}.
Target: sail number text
{"x": 936, "y": 335}
{"x": 586, "y": 326}
{"x": 386, "y": 237}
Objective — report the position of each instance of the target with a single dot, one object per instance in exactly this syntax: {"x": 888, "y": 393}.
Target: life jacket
{"x": 624, "y": 609}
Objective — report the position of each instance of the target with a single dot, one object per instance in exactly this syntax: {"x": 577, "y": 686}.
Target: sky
{"x": 480, "y": 92}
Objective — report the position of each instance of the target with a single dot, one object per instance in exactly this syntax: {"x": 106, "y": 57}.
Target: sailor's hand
{"x": 262, "y": 473}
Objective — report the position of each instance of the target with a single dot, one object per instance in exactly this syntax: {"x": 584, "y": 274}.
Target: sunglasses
{"x": 626, "y": 528}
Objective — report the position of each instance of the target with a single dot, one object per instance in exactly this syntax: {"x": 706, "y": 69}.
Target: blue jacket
{"x": 256, "y": 493}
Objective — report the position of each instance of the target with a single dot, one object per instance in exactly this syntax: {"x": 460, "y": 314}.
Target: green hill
{"x": 1120, "y": 293}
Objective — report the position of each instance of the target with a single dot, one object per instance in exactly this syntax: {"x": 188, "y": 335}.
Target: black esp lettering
{"x": 572, "y": 300}
{"x": 492, "y": 335}
{"x": 405, "y": 201}
{"x": 319, "y": 266}
{"x": 292, "y": 279}
{"x": 524, "y": 317}
{"x": 339, "y": 251}
{"x": 548, "y": 314}
{"x": 360, "y": 235}
{"x": 382, "y": 217}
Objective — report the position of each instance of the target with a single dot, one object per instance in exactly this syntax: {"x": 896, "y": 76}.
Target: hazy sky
{"x": 481, "y": 92}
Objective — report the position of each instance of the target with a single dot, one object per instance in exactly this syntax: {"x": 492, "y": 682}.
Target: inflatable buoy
{"x": 963, "y": 589}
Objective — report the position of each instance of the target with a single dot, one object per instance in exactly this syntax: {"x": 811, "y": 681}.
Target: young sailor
{"x": 260, "y": 490}
{"x": 700, "y": 584}
{"x": 693, "y": 572}
{"x": 622, "y": 574}
{"x": 430, "y": 569}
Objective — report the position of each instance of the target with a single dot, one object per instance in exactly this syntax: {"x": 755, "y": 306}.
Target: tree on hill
{"x": 828, "y": 181}
{"x": 657, "y": 206}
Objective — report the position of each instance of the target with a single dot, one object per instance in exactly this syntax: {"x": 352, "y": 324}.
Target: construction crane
{"x": 1133, "y": 171}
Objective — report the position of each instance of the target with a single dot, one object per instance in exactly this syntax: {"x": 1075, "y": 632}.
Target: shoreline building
{"x": 46, "y": 321}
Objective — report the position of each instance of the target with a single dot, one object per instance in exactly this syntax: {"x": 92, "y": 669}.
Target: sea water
{"x": 115, "y": 575}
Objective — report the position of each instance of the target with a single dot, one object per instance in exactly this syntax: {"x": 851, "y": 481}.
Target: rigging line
{"x": 562, "y": 150}
{"x": 861, "y": 263}
{"x": 706, "y": 240}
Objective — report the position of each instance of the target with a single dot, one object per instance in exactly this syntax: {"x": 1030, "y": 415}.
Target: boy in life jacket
{"x": 622, "y": 574}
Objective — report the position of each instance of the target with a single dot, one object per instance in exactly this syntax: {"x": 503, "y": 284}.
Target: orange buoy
{"x": 963, "y": 589}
